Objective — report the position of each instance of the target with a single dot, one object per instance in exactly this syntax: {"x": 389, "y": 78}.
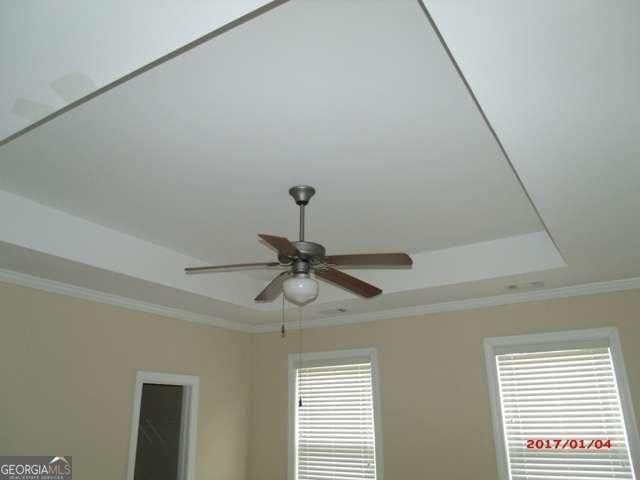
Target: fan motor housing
{"x": 310, "y": 251}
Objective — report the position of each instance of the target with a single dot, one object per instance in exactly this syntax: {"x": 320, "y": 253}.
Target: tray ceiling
{"x": 188, "y": 161}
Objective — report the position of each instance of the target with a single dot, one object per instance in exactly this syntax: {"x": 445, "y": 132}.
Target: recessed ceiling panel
{"x": 356, "y": 98}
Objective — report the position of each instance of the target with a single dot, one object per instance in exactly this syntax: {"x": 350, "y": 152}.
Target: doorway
{"x": 163, "y": 427}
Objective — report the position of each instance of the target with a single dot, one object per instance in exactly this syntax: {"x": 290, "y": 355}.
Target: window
{"x": 561, "y": 406}
{"x": 334, "y": 410}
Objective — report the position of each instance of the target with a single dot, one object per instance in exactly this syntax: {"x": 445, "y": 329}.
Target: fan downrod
{"x": 302, "y": 194}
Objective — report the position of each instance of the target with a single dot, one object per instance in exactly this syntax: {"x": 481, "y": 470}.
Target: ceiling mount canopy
{"x": 303, "y": 258}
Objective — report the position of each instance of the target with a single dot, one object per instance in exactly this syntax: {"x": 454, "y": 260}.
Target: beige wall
{"x": 435, "y": 406}
{"x": 67, "y": 372}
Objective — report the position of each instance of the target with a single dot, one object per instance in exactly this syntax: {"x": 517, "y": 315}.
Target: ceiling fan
{"x": 303, "y": 257}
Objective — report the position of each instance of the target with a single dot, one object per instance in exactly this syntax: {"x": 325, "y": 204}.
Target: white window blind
{"x": 335, "y": 433}
{"x": 570, "y": 398}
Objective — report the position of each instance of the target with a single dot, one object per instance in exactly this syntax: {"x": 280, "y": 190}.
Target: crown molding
{"x": 52, "y": 286}
{"x": 459, "y": 305}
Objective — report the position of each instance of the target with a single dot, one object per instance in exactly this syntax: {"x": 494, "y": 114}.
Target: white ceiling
{"x": 197, "y": 155}
{"x": 560, "y": 83}
{"x": 53, "y": 53}
{"x": 187, "y": 162}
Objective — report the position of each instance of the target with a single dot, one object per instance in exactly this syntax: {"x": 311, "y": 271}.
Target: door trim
{"x": 188, "y": 424}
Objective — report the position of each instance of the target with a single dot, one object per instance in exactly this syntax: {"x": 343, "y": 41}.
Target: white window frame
{"x": 596, "y": 337}
{"x": 297, "y": 360}
{"x": 188, "y": 425}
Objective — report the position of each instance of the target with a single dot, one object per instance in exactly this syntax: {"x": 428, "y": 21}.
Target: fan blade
{"x": 274, "y": 288}
{"x": 229, "y": 267}
{"x": 370, "y": 259}
{"x": 281, "y": 244}
{"x": 352, "y": 284}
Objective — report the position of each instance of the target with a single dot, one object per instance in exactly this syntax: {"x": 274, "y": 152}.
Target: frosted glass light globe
{"x": 300, "y": 288}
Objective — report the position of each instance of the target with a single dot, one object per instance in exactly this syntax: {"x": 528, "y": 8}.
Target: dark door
{"x": 158, "y": 448}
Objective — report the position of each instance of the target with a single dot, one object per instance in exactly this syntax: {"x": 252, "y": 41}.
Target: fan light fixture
{"x": 300, "y": 288}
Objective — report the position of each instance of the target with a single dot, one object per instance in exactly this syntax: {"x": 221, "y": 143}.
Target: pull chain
{"x": 300, "y": 356}
{"x": 283, "y": 332}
